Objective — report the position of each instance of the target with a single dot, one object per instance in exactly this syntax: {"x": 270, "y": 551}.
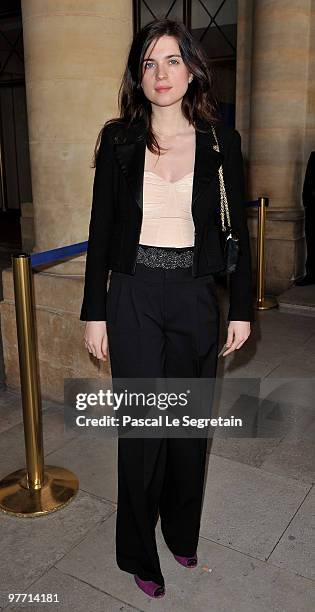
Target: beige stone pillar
{"x": 273, "y": 89}
{"x": 75, "y": 53}
{"x": 74, "y": 56}
{"x": 309, "y": 141}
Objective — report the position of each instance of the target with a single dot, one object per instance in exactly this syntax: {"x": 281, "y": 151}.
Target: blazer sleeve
{"x": 101, "y": 221}
{"x": 240, "y": 281}
{"x": 308, "y": 193}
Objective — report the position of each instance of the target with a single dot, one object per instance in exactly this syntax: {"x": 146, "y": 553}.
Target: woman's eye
{"x": 148, "y": 64}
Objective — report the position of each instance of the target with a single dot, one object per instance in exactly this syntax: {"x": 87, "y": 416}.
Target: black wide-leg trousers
{"x": 161, "y": 323}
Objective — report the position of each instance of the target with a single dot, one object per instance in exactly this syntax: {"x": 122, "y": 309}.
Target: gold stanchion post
{"x": 38, "y": 489}
{"x": 262, "y": 302}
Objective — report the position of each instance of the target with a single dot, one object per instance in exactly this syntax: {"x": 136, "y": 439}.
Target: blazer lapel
{"x": 130, "y": 152}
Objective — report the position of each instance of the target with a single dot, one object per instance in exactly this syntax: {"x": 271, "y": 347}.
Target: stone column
{"x": 273, "y": 118}
{"x": 309, "y": 140}
{"x": 75, "y": 53}
{"x": 74, "y": 56}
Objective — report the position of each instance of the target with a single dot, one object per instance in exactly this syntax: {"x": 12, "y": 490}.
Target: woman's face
{"x": 163, "y": 67}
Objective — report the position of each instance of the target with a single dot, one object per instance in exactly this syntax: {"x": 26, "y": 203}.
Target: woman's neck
{"x": 169, "y": 127}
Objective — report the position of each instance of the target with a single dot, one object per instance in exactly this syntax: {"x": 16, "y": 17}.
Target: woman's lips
{"x": 162, "y": 88}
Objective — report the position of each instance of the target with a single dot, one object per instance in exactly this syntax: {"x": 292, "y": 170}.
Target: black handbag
{"x": 230, "y": 238}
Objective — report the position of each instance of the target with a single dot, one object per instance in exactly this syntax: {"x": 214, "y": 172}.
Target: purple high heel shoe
{"x": 187, "y": 561}
{"x": 149, "y": 587}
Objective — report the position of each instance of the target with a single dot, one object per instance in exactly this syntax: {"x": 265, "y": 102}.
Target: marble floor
{"x": 257, "y": 538}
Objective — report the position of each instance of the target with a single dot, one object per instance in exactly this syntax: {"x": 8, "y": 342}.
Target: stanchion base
{"x": 266, "y": 303}
{"x": 59, "y": 488}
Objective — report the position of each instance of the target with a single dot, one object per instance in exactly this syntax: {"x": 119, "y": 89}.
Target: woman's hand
{"x": 95, "y": 339}
{"x": 238, "y": 332}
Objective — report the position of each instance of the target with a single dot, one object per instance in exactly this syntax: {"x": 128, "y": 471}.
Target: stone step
{"x": 300, "y": 300}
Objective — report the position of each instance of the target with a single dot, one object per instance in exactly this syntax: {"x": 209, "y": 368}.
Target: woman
{"x": 155, "y": 223}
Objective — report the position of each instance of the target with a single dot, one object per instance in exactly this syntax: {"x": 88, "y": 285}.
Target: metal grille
{"x": 212, "y": 22}
{"x": 15, "y": 179}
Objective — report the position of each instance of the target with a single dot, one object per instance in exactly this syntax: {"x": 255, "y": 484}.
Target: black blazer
{"x": 117, "y": 206}
{"x": 308, "y": 193}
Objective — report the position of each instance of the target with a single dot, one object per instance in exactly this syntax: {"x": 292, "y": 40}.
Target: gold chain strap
{"x": 224, "y": 207}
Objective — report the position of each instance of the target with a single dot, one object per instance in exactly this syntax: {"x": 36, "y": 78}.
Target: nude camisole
{"x": 167, "y": 217}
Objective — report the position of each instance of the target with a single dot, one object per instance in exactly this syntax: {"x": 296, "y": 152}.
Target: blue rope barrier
{"x": 37, "y": 259}
{"x": 251, "y": 203}
{"x": 45, "y": 257}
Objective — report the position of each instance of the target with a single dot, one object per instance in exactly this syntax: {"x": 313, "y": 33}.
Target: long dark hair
{"x": 199, "y": 100}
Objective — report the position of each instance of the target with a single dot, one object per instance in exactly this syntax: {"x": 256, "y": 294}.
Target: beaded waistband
{"x": 159, "y": 257}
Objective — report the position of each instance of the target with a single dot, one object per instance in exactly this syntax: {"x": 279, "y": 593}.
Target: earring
{"x": 190, "y": 79}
